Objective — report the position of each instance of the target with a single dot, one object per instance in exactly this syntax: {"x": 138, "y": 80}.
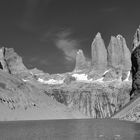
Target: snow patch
{"x": 50, "y": 81}
{"x": 25, "y": 80}
{"x": 128, "y": 75}
{"x": 106, "y": 71}
{"x": 99, "y": 80}
{"x": 81, "y": 77}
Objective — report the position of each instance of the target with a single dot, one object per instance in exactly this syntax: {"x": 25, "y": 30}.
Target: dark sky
{"x": 47, "y": 33}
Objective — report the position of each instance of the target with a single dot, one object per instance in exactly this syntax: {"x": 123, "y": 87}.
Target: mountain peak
{"x": 98, "y": 35}
{"x": 98, "y": 53}
{"x": 118, "y": 53}
{"x": 81, "y": 62}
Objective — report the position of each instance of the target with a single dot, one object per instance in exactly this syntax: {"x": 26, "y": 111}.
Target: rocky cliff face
{"x": 10, "y": 61}
{"x": 118, "y": 53}
{"x": 95, "y": 100}
{"x": 98, "y": 53}
{"x": 3, "y": 63}
{"x": 135, "y": 58}
{"x": 131, "y": 111}
{"x": 136, "y": 71}
{"x": 136, "y": 41}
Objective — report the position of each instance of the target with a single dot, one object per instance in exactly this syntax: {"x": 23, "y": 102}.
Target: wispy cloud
{"x": 67, "y": 44}
{"x": 63, "y": 39}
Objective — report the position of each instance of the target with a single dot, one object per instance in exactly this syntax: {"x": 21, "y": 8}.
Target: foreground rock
{"x": 98, "y": 53}
{"x": 130, "y": 112}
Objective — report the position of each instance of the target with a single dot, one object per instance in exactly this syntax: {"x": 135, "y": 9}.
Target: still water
{"x": 74, "y": 129}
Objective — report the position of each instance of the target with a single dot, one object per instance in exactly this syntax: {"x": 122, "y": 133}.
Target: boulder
{"x": 98, "y": 53}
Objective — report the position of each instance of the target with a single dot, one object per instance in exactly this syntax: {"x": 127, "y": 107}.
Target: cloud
{"x": 63, "y": 39}
{"x": 68, "y": 47}
{"x": 67, "y": 44}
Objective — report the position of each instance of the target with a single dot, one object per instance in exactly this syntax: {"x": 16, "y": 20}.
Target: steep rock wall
{"x": 93, "y": 100}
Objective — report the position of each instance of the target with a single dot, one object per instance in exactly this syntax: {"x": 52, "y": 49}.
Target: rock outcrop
{"x": 3, "y": 63}
{"x": 81, "y": 62}
{"x": 135, "y": 71}
{"x": 14, "y": 61}
{"x": 98, "y": 53}
{"x": 118, "y": 53}
{"x": 113, "y": 74}
{"x": 136, "y": 41}
{"x": 10, "y": 61}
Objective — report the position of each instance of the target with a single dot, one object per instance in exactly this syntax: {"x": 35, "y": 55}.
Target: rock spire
{"x": 98, "y": 53}
{"x": 81, "y": 62}
{"x": 118, "y": 53}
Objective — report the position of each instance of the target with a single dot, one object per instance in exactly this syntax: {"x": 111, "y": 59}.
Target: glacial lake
{"x": 72, "y": 129}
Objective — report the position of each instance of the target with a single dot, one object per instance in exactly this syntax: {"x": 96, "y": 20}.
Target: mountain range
{"x": 107, "y": 86}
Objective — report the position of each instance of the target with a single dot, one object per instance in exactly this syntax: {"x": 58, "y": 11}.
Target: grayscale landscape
{"x": 69, "y": 70}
